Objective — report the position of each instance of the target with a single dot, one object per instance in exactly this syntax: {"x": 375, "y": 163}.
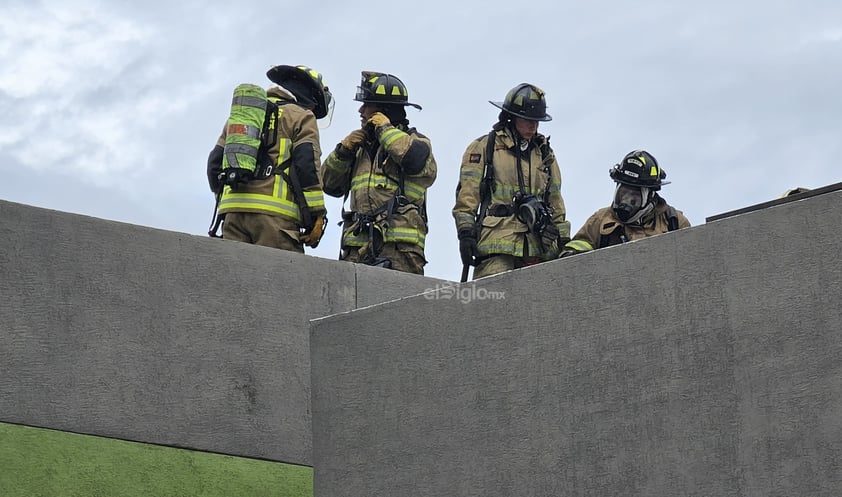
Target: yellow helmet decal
{"x": 396, "y": 90}
{"x": 642, "y": 159}
{"x": 653, "y": 172}
{"x": 380, "y": 90}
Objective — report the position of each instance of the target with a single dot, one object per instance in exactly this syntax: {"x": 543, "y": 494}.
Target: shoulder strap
{"x": 615, "y": 237}
{"x": 546, "y": 151}
{"x": 672, "y": 218}
{"x": 487, "y": 185}
{"x": 269, "y": 136}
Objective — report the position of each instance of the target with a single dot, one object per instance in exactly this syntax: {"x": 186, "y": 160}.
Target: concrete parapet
{"x": 129, "y": 332}
{"x": 701, "y": 362}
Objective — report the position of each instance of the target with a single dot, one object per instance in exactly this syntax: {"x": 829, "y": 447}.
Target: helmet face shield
{"x": 331, "y": 103}
{"x": 628, "y": 200}
{"x": 632, "y": 204}
{"x": 362, "y": 94}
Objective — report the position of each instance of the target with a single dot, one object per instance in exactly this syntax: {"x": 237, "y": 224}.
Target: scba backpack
{"x": 251, "y": 131}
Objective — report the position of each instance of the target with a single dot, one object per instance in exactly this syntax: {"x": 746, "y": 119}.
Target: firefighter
{"x": 637, "y": 210}
{"x": 385, "y": 167}
{"x": 287, "y": 209}
{"x": 509, "y": 211}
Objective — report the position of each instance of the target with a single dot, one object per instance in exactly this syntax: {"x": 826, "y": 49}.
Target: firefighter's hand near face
{"x": 353, "y": 141}
{"x": 379, "y": 119}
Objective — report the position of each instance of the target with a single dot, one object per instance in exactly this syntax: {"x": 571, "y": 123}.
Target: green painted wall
{"x": 37, "y": 462}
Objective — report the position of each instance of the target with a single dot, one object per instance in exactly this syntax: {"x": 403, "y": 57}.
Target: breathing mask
{"x": 631, "y": 203}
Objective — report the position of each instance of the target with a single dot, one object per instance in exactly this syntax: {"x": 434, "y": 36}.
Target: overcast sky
{"x": 109, "y": 109}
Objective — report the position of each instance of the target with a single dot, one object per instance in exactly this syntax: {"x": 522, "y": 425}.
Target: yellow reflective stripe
{"x": 284, "y": 150}
{"x": 390, "y": 235}
{"x": 314, "y": 199}
{"x": 362, "y": 181}
{"x": 471, "y": 174}
{"x": 334, "y": 163}
{"x": 388, "y": 136}
{"x": 254, "y": 201}
{"x": 499, "y": 246}
{"x": 503, "y": 194}
{"x": 276, "y": 203}
{"x": 463, "y": 220}
{"x": 413, "y": 191}
{"x": 352, "y": 240}
{"x": 404, "y": 235}
{"x": 579, "y": 245}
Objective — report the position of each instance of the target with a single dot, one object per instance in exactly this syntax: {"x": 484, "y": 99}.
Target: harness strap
{"x": 672, "y": 218}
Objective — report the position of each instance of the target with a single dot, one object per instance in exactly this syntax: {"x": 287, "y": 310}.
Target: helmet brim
{"x": 380, "y": 102}
{"x": 620, "y": 179}
{"x": 279, "y": 74}
{"x": 284, "y": 75}
{"x": 499, "y": 105}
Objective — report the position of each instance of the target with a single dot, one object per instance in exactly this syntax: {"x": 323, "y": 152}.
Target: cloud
{"x": 119, "y": 103}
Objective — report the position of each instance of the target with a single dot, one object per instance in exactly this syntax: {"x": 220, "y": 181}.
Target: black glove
{"x": 215, "y": 169}
{"x": 468, "y": 246}
{"x": 549, "y": 236}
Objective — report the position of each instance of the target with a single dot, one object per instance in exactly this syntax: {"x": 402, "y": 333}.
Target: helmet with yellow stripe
{"x": 306, "y": 84}
{"x": 525, "y": 101}
{"x": 381, "y": 88}
{"x": 639, "y": 168}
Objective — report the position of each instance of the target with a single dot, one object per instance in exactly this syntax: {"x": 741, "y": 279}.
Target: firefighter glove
{"x": 468, "y": 246}
{"x": 215, "y": 169}
{"x": 379, "y": 119}
{"x": 353, "y": 141}
{"x": 549, "y": 236}
{"x": 314, "y": 235}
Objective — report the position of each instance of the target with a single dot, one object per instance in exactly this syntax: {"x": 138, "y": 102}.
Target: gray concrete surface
{"x": 124, "y": 331}
{"x": 704, "y": 362}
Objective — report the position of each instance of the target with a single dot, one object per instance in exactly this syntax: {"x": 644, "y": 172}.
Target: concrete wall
{"x": 704, "y": 362}
{"x": 129, "y": 332}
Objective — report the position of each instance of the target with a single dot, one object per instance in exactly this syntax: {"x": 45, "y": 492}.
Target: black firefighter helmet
{"x": 306, "y": 84}
{"x": 526, "y": 101}
{"x": 381, "y": 88}
{"x": 639, "y": 168}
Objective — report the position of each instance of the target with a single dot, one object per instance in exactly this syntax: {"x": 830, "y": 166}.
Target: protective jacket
{"x": 296, "y": 154}
{"x": 604, "y": 229}
{"x": 501, "y": 231}
{"x": 387, "y": 180}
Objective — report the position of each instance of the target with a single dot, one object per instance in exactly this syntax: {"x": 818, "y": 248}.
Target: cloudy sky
{"x": 109, "y": 109}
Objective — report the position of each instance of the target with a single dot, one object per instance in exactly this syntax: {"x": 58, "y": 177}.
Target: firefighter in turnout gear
{"x": 509, "y": 211}
{"x": 637, "y": 210}
{"x": 287, "y": 209}
{"x": 385, "y": 167}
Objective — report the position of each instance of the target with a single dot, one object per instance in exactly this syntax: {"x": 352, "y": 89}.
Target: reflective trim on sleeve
{"x": 579, "y": 245}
